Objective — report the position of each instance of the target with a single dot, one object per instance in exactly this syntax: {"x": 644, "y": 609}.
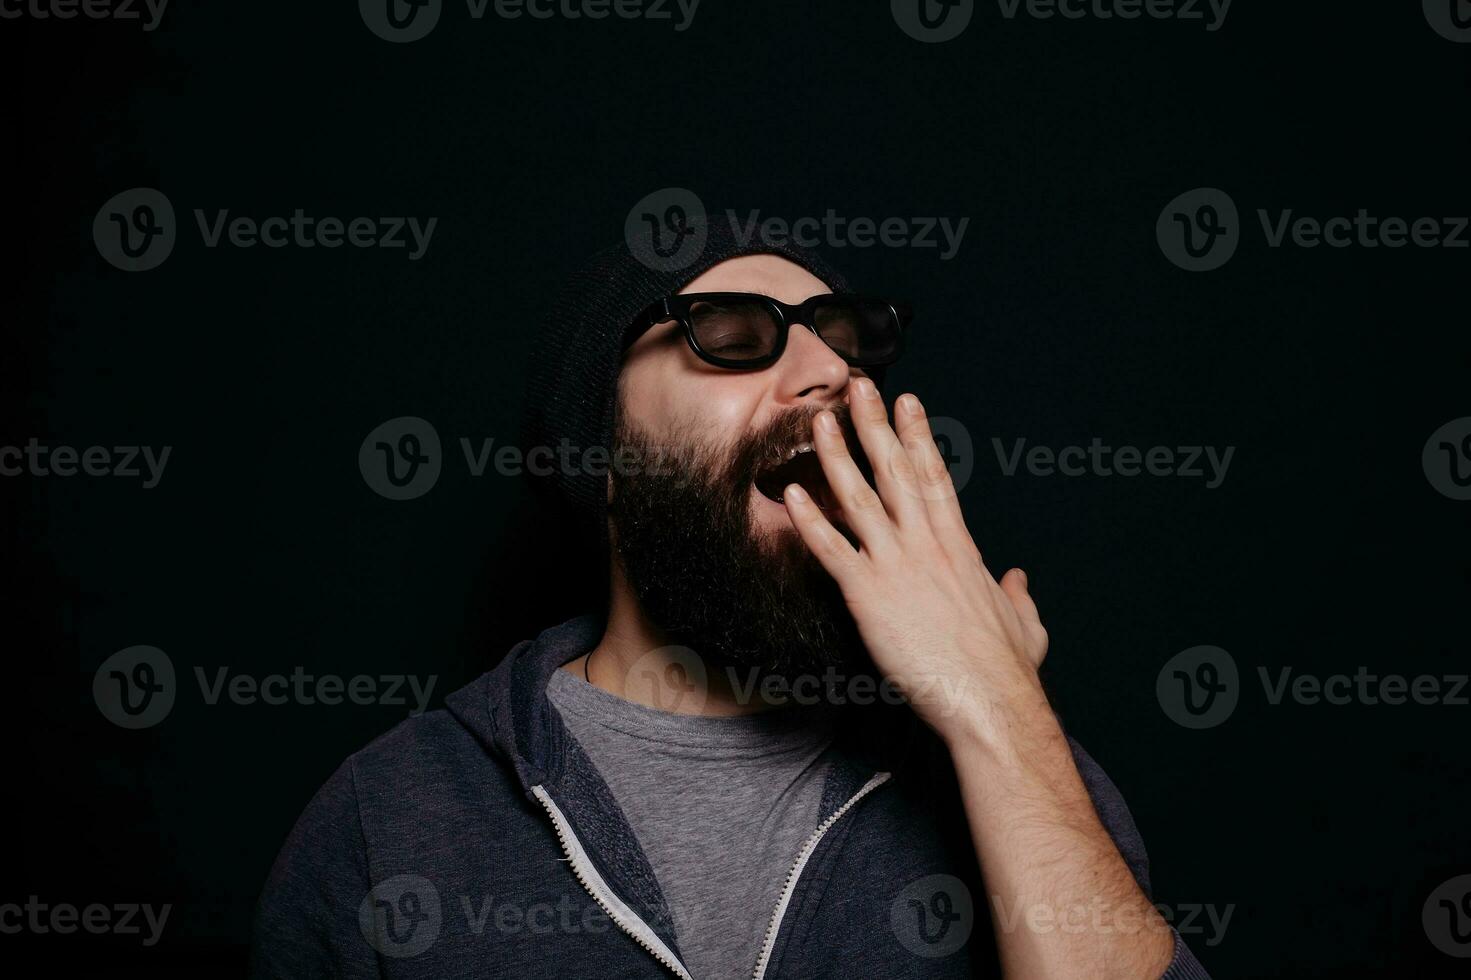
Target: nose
{"x": 809, "y": 368}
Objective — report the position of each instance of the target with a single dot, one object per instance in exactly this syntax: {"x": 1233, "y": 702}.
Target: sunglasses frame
{"x": 677, "y": 307}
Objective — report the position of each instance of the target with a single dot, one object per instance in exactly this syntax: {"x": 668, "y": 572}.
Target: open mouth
{"x": 799, "y": 464}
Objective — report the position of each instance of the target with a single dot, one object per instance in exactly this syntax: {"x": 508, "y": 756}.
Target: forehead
{"x": 770, "y": 275}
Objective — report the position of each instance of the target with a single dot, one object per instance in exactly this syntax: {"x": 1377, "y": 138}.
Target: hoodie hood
{"x": 507, "y": 709}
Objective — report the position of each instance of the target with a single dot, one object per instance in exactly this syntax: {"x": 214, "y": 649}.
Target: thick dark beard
{"x": 688, "y": 543}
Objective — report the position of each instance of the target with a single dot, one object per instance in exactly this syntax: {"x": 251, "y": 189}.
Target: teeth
{"x": 801, "y": 447}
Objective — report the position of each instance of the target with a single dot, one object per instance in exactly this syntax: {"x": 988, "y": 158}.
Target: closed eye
{"x": 732, "y": 345}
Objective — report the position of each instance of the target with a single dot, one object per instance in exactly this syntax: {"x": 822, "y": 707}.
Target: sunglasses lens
{"x": 734, "y": 330}
{"x": 861, "y": 331}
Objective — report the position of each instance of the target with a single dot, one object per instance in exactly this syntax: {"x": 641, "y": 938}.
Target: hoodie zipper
{"x": 799, "y": 865}
{"x": 587, "y": 875}
{"x": 627, "y": 920}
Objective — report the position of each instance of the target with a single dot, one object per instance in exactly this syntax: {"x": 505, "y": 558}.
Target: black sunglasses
{"x": 746, "y": 331}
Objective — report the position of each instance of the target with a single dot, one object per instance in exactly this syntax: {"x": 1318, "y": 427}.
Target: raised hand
{"x": 957, "y": 643}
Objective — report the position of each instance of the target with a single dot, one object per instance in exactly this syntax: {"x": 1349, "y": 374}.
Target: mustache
{"x": 755, "y": 452}
{"x": 740, "y": 462}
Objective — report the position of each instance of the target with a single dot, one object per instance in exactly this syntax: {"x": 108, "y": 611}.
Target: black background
{"x": 262, "y": 548}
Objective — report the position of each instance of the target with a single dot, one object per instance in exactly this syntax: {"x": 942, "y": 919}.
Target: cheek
{"x": 726, "y": 408}
{"x": 704, "y": 406}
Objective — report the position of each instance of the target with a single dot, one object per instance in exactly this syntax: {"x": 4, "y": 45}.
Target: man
{"x": 804, "y": 738}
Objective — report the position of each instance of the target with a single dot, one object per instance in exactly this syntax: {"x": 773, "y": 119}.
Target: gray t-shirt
{"x": 720, "y": 806}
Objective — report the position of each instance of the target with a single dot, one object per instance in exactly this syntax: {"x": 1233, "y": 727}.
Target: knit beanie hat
{"x": 572, "y": 378}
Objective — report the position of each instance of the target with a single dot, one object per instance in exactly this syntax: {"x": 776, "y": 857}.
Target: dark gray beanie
{"x": 572, "y": 379}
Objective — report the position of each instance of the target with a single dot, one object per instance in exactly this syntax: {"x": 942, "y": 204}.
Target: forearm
{"x": 1063, "y": 901}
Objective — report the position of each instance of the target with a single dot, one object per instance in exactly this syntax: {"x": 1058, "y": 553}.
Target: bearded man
{"x": 805, "y": 736}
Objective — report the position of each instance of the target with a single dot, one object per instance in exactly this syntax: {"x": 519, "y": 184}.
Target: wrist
{"x": 1001, "y": 718}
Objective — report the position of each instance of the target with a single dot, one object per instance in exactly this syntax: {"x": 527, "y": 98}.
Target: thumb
{"x": 1014, "y": 584}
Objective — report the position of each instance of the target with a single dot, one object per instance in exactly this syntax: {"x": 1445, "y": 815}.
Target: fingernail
{"x": 910, "y": 404}
{"x": 867, "y": 389}
{"x": 826, "y": 421}
{"x": 1023, "y": 577}
{"x": 794, "y": 492}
